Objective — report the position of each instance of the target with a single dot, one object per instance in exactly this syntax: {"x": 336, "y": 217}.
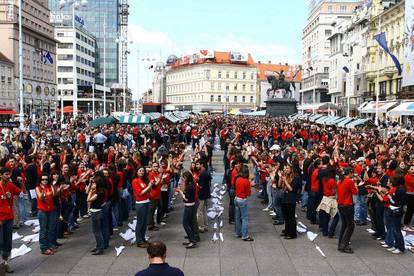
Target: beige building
{"x": 204, "y": 85}
{"x": 8, "y": 96}
{"x": 39, "y": 49}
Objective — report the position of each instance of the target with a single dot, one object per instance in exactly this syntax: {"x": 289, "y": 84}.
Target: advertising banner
{"x": 205, "y": 54}
{"x": 239, "y": 56}
{"x": 408, "y": 68}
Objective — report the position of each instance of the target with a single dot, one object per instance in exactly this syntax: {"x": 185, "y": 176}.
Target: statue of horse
{"x": 279, "y": 85}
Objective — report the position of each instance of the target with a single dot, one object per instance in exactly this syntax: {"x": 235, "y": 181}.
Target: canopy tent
{"x": 323, "y": 119}
{"x": 403, "y": 109}
{"x": 153, "y": 115}
{"x": 170, "y": 117}
{"x": 314, "y": 117}
{"x": 256, "y": 113}
{"x": 345, "y": 121}
{"x": 134, "y": 119}
{"x": 304, "y": 116}
{"x": 362, "y": 105}
{"x": 103, "y": 121}
{"x": 358, "y": 122}
{"x": 336, "y": 121}
{"x": 331, "y": 120}
{"x": 318, "y": 106}
{"x": 383, "y": 107}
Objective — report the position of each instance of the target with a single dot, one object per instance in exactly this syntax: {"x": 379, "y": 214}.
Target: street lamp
{"x": 21, "y": 114}
{"x": 100, "y": 108}
{"x": 124, "y": 42}
{"x": 88, "y": 107}
{"x": 75, "y": 4}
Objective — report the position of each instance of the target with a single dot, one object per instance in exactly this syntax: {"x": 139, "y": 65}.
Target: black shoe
{"x": 289, "y": 238}
{"x": 347, "y": 250}
{"x": 58, "y": 244}
{"x": 332, "y": 237}
{"x": 276, "y": 222}
{"x": 153, "y": 228}
{"x": 186, "y": 243}
{"x": 191, "y": 245}
{"x": 94, "y": 250}
{"x": 8, "y": 269}
{"x": 98, "y": 252}
{"x": 249, "y": 239}
{"x": 282, "y": 234}
{"x": 238, "y": 236}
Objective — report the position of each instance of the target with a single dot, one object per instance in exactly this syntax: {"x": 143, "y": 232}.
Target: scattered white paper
{"x": 300, "y": 229}
{"x": 220, "y": 213}
{"x": 369, "y": 230}
{"x": 302, "y": 225}
{"x": 133, "y": 240}
{"x": 22, "y": 250}
{"x": 215, "y": 184}
{"x": 223, "y": 192}
{"x": 31, "y": 222}
{"x": 320, "y": 251}
{"x": 409, "y": 239}
{"x": 128, "y": 235}
{"x": 221, "y": 237}
{"x": 296, "y": 216}
{"x": 311, "y": 236}
{"x": 215, "y": 225}
{"x": 31, "y": 238}
{"x": 133, "y": 224}
{"x": 212, "y": 214}
{"x": 221, "y": 223}
{"x": 214, "y": 237}
{"x": 368, "y": 219}
{"x": 119, "y": 250}
{"x": 404, "y": 233}
{"x": 32, "y": 193}
{"x": 36, "y": 229}
{"x": 16, "y": 236}
{"x": 215, "y": 201}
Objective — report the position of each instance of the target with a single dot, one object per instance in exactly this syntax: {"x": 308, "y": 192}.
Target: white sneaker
{"x": 391, "y": 248}
{"x": 382, "y": 242}
{"x": 272, "y": 214}
{"x": 396, "y": 251}
{"x": 163, "y": 223}
{"x": 385, "y": 245}
{"x": 266, "y": 209}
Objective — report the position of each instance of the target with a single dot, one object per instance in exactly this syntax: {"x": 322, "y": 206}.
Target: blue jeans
{"x": 142, "y": 210}
{"x": 361, "y": 208}
{"x": 115, "y": 214}
{"x": 105, "y": 223}
{"x": 304, "y": 196}
{"x": 242, "y": 218}
{"x": 399, "y": 239}
{"x": 47, "y": 223}
{"x": 6, "y": 234}
{"x": 277, "y": 204}
{"x": 22, "y": 209}
{"x": 269, "y": 194}
{"x": 389, "y": 236}
{"x": 97, "y": 229}
{"x": 71, "y": 219}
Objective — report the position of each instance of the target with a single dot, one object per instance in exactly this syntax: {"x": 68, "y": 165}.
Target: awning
{"x": 362, "y": 105}
{"x": 314, "y": 117}
{"x": 8, "y": 112}
{"x": 323, "y": 119}
{"x": 170, "y": 117}
{"x": 153, "y": 115}
{"x": 404, "y": 109}
{"x": 255, "y": 113}
{"x": 103, "y": 121}
{"x": 318, "y": 106}
{"x": 331, "y": 120}
{"x": 345, "y": 121}
{"x": 134, "y": 119}
{"x": 358, "y": 122}
{"x": 383, "y": 107}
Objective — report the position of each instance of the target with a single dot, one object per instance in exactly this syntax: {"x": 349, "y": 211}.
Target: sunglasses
{"x": 45, "y": 179}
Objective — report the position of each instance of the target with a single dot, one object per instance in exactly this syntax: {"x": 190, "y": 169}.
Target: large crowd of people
{"x": 63, "y": 173}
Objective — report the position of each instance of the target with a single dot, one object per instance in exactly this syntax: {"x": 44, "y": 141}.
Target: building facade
{"x": 39, "y": 50}
{"x": 205, "y": 85}
{"x": 8, "y": 95}
{"x": 316, "y": 50}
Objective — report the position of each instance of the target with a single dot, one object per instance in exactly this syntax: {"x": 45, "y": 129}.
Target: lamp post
{"x": 378, "y": 82}
{"x": 124, "y": 42}
{"x": 75, "y": 4}
{"x": 21, "y": 112}
{"x": 88, "y": 107}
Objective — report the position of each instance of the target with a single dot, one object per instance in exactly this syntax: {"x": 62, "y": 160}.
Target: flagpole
{"x": 21, "y": 114}
{"x": 378, "y": 88}
{"x": 104, "y": 73}
{"x": 75, "y": 67}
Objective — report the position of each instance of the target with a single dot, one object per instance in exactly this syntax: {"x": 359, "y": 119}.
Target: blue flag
{"x": 382, "y": 41}
{"x": 346, "y": 69}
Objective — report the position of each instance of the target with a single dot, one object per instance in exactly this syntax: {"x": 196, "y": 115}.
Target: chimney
{"x": 270, "y": 62}
{"x": 259, "y": 62}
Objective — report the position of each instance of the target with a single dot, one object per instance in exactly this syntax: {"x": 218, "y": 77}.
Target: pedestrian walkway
{"x": 269, "y": 254}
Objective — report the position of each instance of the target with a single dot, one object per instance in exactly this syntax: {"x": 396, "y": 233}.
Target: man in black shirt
{"x": 157, "y": 253}
{"x": 204, "y": 183}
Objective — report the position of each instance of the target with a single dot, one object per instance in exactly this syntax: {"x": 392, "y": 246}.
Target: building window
{"x": 252, "y": 76}
{"x": 244, "y": 87}
{"x": 343, "y": 8}
{"x": 212, "y": 86}
{"x": 219, "y": 86}
{"x": 235, "y": 99}
{"x": 383, "y": 87}
{"x": 398, "y": 85}
{"x": 251, "y": 99}
{"x": 219, "y": 75}
{"x": 235, "y": 75}
{"x": 244, "y": 75}
{"x": 329, "y": 9}
{"x": 227, "y": 75}
{"x": 244, "y": 99}
{"x": 328, "y": 33}
{"x": 251, "y": 87}
{"x": 326, "y": 69}
{"x": 235, "y": 87}
{"x": 219, "y": 98}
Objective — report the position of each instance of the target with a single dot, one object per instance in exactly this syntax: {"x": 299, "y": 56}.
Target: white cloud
{"x": 147, "y": 37}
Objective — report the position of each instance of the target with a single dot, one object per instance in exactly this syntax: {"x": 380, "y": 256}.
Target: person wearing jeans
{"x": 409, "y": 188}
{"x": 141, "y": 188}
{"x": 345, "y": 190}
{"x": 242, "y": 191}
{"x": 46, "y": 213}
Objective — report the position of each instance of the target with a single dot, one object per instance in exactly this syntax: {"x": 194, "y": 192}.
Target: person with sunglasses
{"x": 45, "y": 194}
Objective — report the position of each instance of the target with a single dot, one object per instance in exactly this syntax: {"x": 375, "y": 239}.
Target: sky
{"x": 270, "y": 30}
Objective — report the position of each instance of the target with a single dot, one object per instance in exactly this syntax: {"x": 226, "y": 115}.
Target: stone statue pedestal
{"x": 281, "y": 107}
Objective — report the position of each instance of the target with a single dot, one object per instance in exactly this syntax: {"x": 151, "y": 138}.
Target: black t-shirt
{"x": 160, "y": 270}
{"x": 97, "y": 203}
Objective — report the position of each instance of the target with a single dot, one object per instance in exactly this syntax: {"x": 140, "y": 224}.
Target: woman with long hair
{"x": 242, "y": 191}
{"x": 290, "y": 182}
{"x": 187, "y": 192}
{"x": 141, "y": 187}
{"x": 46, "y": 212}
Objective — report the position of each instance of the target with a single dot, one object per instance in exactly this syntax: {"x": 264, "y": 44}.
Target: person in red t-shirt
{"x": 409, "y": 189}
{"x": 242, "y": 191}
{"x": 346, "y": 189}
{"x": 45, "y": 194}
{"x": 141, "y": 186}
{"x": 329, "y": 202}
{"x": 7, "y": 191}
{"x": 155, "y": 194}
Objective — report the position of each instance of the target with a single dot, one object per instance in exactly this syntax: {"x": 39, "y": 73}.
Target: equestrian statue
{"x": 279, "y": 85}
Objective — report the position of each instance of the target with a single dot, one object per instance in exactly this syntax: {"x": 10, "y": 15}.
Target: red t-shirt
{"x": 409, "y": 183}
{"x": 346, "y": 189}
{"x": 196, "y": 178}
{"x": 233, "y": 175}
{"x": 47, "y": 204}
{"x": 138, "y": 185}
{"x": 6, "y": 204}
{"x": 243, "y": 187}
{"x": 121, "y": 179}
{"x": 315, "y": 181}
{"x": 155, "y": 193}
{"x": 329, "y": 187}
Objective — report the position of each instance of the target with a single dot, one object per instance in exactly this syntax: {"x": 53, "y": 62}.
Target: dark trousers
{"x": 231, "y": 204}
{"x": 190, "y": 212}
{"x": 152, "y": 208}
{"x": 106, "y": 223}
{"x": 399, "y": 239}
{"x": 325, "y": 218}
{"x": 33, "y": 206}
{"x": 379, "y": 220}
{"x": 288, "y": 210}
{"x": 97, "y": 229}
{"x": 372, "y": 211}
{"x": 163, "y": 206}
{"x": 47, "y": 223}
{"x": 313, "y": 203}
{"x": 347, "y": 227}
{"x": 6, "y": 234}
{"x": 196, "y": 141}
{"x": 195, "y": 223}
{"x": 142, "y": 210}
{"x": 81, "y": 203}
{"x": 410, "y": 209}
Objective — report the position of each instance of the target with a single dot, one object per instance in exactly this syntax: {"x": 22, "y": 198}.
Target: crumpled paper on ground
{"x": 16, "y": 236}
{"x": 311, "y": 236}
{"x": 128, "y": 235}
{"x": 119, "y": 250}
{"x": 31, "y": 238}
{"x": 22, "y": 250}
{"x": 133, "y": 224}
{"x": 31, "y": 222}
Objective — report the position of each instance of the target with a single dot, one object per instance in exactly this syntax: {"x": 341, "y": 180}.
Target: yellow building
{"x": 381, "y": 72}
